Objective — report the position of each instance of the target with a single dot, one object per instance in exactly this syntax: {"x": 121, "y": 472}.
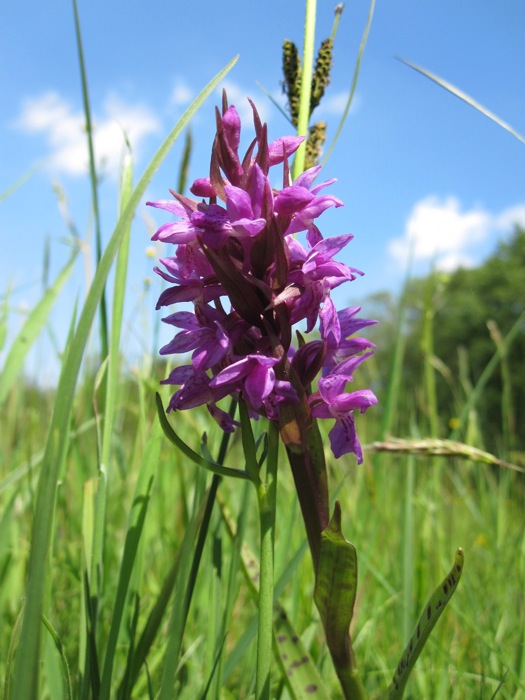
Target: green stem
{"x": 104, "y": 333}
{"x": 306, "y": 84}
{"x": 266, "y": 497}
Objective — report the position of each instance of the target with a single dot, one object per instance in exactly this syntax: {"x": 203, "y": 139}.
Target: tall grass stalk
{"x": 93, "y": 177}
{"x": 306, "y": 84}
{"x": 267, "y": 501}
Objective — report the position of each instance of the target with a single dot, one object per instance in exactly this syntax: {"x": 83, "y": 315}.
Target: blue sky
{"x": 413, "y": 163}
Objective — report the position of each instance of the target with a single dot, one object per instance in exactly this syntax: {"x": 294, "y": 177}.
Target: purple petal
{"x": 360, "y": 400}
{"x": 177, "y": 232}
{"x": 348, "y": 367}
{"x": 325, "y": 250}
{"x": 182, "y": 342}
{"x": 238, "y": 204}
{"x": 232, "y": 128}
{"x": 306, "y": 178}
{"x": 292, "y": 199}
{"x": 224, "y": 419}
{"x": 283, "y": 148}
{"x": 202, "y": 187}
{"x": 232, "y": 374}
{"x": 331, "y": 330}
{"x": 183, "y": 319}
{"x": 259, "y": 384}
{"x": 179, "y": 375}
{"x": 322, "y": 185}
{"x": 170, "y": 205}
{"x": 343, "y": 438}
{"x": 331, "y": 388}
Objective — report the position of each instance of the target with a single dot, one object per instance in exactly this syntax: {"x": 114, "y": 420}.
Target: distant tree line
{"x": 453, "y": 323}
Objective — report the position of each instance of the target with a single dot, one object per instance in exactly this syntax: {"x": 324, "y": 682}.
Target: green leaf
{"x": 426, "y": 623}
{"x": 194, "y": 456}
{"x": 334, "y": 594}
{"x": 298, "y": 669}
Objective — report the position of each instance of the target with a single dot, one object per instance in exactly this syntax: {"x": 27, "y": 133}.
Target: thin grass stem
{"x": 267, "y": 501}
{"x": 104, "y": 334}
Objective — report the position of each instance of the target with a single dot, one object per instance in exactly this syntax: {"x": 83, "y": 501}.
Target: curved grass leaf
{"x": 68, "y": 689}
{"x": 93, "y": 177}
{"x": 466, "y": 98}
{"x": 349, "y": 101}
{"x": 25, "y": 681}
{"x": 301, "y": 674}
{"x": 191, "y": 454}
{"x": 30, "y": 330}
{"x": 426, "y": 623}
{"x": 21, "y": 180}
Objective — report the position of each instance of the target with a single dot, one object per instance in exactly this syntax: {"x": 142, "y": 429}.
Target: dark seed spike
{"x": 314, "y": 145}
{"x": 321, "y": 77}
{"x": 292, "y": 78}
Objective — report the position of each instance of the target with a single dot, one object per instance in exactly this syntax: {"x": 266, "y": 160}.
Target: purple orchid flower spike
{"x": 252, "y": 282}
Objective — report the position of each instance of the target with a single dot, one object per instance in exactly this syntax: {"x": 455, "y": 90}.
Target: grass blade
{"x": 92, "y": 177}
{"x": 357, "y": 68}
{"x": 463, "y": 96}
{"x": 183, "y": 590}
{"x": 213, "y": 467}
{"x": 476, "y": 393}
{"x": 133, "y": 535}
{"x": 111, "y": 387}
{"x": 303, "y": 679}
{"x": 30, "y": 330}
{"x": 63, "y": 659}
{"x": 21, "y": 180}
{"x": 431, "y": 614}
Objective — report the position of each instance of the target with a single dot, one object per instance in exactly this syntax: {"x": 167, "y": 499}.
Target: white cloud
{"x": 336, "y": 104}
{"x": 439, "y": 231}
{"x": 182, "y": 94}
{"x": 64, "y": 130}
{"x": 510, "y": 217}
